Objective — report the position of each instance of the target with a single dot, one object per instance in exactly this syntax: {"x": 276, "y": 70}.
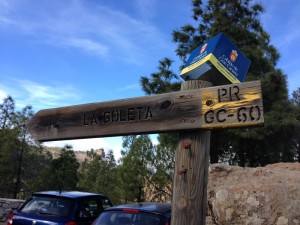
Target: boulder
{"x": 267, "y": 195}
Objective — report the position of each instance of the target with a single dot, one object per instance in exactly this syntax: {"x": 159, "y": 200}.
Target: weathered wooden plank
{"x": 235, "y": 105}
{"x": 232, "y": 105}
{"x": 191, "y": 171}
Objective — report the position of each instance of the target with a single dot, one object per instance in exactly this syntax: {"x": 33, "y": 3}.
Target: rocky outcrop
{"x": 267, "y": 195}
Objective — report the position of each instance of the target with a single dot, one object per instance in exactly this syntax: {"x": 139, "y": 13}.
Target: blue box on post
{"x": 217, "y": 61}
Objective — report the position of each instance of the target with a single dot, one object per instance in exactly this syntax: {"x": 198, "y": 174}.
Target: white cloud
{"x": 90, "y": 27}
{"x": 88, "y": 45}
{"x": 3, "y": 95}
{"x": 40, "y": 96}
{"x": 146, "y": 8}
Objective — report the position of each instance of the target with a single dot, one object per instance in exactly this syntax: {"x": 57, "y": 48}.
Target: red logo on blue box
{"x": 233, "y": 56}
{"x": 218, "y": 60}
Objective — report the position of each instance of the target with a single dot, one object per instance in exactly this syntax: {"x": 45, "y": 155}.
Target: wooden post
{"x": 191, "y": 172}
{"x": 190, "y": 112}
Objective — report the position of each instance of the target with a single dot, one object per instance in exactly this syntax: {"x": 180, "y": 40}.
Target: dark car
{"x": 145, "y": 213}
{"x": 60, "y": 208}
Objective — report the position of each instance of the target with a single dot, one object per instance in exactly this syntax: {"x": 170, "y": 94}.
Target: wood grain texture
{"x": 225, "y": 106}
{"x": 191, "y": 173}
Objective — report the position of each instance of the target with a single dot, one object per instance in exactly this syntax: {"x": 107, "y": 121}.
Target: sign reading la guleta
{"x": 227, "y": 106}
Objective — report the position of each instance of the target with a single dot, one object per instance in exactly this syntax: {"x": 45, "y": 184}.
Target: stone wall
{"x": 6, "y": 206}
{"x": 267, "y": 195}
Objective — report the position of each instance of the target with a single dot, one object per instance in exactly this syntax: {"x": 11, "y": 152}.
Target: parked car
{"x": 60, "y": 208}
{"x": 145, "y": 213}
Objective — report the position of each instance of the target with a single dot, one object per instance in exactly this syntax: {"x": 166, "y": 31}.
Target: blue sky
{"x": 57, "y": 53}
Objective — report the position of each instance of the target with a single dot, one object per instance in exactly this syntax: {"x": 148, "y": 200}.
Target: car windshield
{"x": 46, "y": 205}
{"x": 129, "y": 218}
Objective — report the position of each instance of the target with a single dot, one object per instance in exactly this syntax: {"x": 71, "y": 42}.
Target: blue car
{"x": 60, "y": 208}
{"x": 144, "y": 213}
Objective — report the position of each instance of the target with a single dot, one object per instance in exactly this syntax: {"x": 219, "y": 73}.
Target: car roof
{"x": 162, "y": 208}
{"x": 66, "y": 194}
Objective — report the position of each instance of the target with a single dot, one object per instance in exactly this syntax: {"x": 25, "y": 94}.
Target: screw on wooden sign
{"x": 235, "y": 105}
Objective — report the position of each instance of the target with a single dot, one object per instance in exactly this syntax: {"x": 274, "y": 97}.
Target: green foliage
{"x": 16, "y": 148}
{"x": 38, "y": 169}
{"x": 7, "y": 110}
{"x": 273, "y": 142}
{"x": 296, "y": 103}
{"x": 296, "y": 98}
{"x": 135, "y": 169}
{"x": 161, "y": 82}
{"x": 145, "y": 171}
{"x": 63, "y": 173}
{"x": 163, "y": 163}
{"x": 240, "y": 22}
{"x": 8, "y": 139}
{"x": 89, "y": 170}
{"x": 98, "y": 173}
{"x": 107, "y": 182}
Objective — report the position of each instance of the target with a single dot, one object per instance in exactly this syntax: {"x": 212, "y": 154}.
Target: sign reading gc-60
{"x": 235, "y": 105}
{"x": 232, "y": 105}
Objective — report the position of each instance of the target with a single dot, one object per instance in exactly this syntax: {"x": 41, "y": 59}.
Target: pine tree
{"x": 162, "y": 81}
{"x": 89, "y": 170}
{"x": 63, "y": 174}
{"x": 239, "y": 21}
{"x": 23, "y": 147}
{"x": 7, "y": 110}
{"x": 296, "y": 102}
{"x": 17, "y": 149}
{"x": 163, "y": 164}
{"x": 135, "y": 169}
{"x": 98, "y": 173}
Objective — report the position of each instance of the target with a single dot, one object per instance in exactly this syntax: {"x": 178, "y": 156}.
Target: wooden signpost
{"x": 191, "y": 113}
{"x": 215, "y": 62}
{"x": 227, "y": 106}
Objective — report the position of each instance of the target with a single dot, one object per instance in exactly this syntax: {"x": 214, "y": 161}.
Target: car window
{"x": 128, "y": 218}
{"x": 90, "y": 208}
{"x": 93, "y": 207}
{"x": 106, "y": 203}
{"x": 49, "y": 206}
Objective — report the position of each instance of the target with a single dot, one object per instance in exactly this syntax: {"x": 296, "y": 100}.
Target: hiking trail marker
{"x": 192, "y": 112}
{"x": 235, "y": 105}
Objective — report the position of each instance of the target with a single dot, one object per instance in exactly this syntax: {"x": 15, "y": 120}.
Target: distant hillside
{"x": 55, "y": 151}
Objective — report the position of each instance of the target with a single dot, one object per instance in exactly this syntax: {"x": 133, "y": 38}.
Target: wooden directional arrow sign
{"x": 235, "y": 105}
